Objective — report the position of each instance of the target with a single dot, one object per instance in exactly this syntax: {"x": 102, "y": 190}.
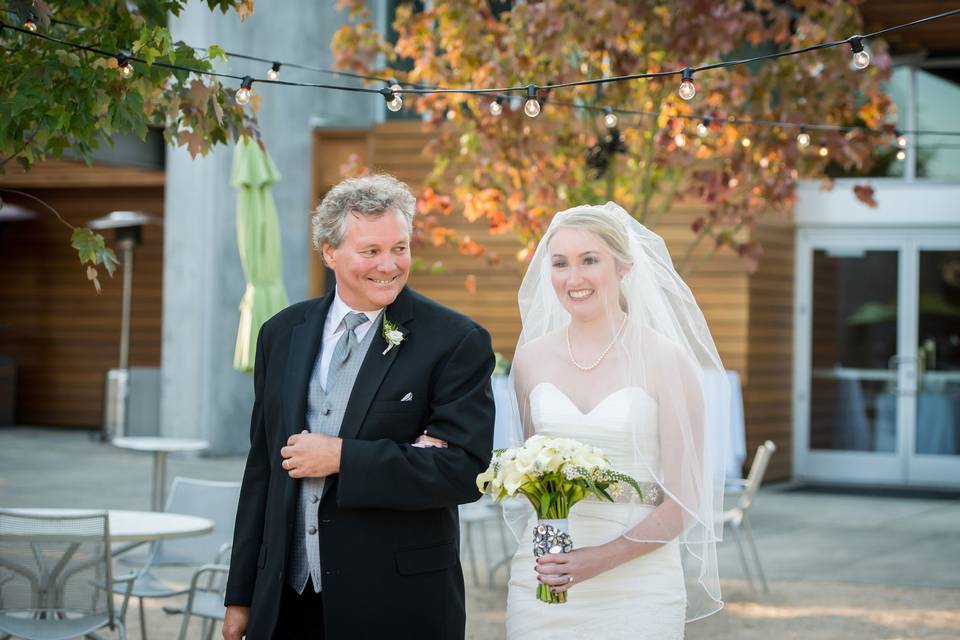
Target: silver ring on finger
{"x": 569, "y": 579}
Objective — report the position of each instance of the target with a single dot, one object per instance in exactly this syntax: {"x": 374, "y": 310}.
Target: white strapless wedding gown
{"x": 644, "y": 598}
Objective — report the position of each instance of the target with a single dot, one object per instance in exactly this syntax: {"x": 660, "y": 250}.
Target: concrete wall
{"x": 202, "y": 395}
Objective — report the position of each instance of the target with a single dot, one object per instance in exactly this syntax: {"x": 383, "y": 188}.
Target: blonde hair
{"x": 603, "y": 225}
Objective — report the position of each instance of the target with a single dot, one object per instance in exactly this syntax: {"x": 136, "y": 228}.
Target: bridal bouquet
{"x": 553, "y": 474}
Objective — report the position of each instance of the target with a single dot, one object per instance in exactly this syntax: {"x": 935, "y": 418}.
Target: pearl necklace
{"x": 602, "y": 355}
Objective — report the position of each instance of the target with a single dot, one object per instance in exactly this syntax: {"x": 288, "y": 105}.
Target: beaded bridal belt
{"x": 652, "y": 494}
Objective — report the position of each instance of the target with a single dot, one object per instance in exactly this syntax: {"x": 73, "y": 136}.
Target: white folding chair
{"x": 56, "y": 578}
{"x": 216, "y": 501}
{"x": 736, "y": 517}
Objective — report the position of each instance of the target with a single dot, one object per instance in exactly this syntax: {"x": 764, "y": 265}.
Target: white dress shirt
{"x": 334, "y": 327}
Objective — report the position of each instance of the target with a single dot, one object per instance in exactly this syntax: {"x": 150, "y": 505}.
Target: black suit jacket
{"x": 389, "y": 531}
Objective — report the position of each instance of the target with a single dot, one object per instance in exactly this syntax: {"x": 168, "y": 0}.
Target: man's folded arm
{"x": 391, "y": 475}
{"x": 248, "y": 530}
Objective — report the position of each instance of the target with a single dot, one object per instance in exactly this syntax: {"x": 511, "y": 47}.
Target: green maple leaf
{"x": 92, "y": 248}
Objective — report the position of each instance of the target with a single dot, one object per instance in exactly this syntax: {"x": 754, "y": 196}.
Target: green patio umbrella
{"x": 258, "y": 238}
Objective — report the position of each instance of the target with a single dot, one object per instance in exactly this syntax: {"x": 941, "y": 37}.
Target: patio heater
{"x": 128, "y": 228}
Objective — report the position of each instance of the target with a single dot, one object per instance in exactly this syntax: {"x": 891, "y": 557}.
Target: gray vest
{"x": 325, "y": 409}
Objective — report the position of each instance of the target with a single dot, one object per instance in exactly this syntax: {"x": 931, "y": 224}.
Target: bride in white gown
{"x": 612, "y": 353}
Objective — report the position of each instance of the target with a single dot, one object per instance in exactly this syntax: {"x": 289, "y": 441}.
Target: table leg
{"x": 159, "y": 479}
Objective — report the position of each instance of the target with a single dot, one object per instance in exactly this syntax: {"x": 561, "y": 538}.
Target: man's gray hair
{"x": 371, "y": 195}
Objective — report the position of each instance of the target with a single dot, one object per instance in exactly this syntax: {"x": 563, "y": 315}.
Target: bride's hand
{"x": 564, "y": 570}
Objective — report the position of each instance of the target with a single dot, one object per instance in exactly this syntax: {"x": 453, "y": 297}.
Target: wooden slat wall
{"x": 750, "y": 316}
{"x": 63, "y": 335}
{"x": 768, "y": 384}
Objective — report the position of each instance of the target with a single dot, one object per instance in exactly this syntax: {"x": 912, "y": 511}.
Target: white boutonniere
{"x": 391, "y": 334}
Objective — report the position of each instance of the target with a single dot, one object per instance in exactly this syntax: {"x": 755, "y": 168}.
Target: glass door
{"x": 849, "y": 334}
{"x": 934, "y": 449}
{"x": 877, "y": 343}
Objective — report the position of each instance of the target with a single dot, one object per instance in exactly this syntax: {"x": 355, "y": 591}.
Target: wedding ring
{"x": 569, "y": 579}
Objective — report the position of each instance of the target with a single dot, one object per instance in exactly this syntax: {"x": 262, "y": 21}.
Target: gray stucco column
{"x": 202, "y": 395}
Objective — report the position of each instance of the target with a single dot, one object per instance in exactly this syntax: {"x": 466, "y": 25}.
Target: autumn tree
{"x": 515, "y": 171}
{"x": 56, "y": 98}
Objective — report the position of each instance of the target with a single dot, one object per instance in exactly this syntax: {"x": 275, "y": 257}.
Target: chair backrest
{"x": 52, "y": 561}
{"x": 757, "y": 469}
{"x": 216, "y": 501}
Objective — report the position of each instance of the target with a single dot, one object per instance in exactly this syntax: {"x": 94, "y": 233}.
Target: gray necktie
{"x": 346, "y": 344}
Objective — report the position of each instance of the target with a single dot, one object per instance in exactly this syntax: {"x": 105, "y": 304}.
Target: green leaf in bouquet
{"x": 544, "y": 508}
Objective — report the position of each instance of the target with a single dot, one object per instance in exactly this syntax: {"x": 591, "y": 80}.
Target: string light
{"x": 610, "y": 119}
{"x": 764, "y": 162}
{"x": 703, "y": 128}
{"x": 901, "y": 154}
{"x": 901, "y": 140}
{"x": 274, "y": 73}
{"x": 861, "y": 59}
{"x": 824, "y": 151}
{"x": 532, "y": 106}
{"x": 746, "y": 142}
{"x": 496, "y": 107}
{"x": 395, "y": 86}
{"x": 394, "y": 100}
{"x": 687, "y": 88}
{"x": 124, "y": 68}
{"x": 680, "y": 139}
{"x": 245, "y": 91}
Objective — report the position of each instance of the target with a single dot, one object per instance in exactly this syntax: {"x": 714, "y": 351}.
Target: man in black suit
{"x": 347, "y": 524}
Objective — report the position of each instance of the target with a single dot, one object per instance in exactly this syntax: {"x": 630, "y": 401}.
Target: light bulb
{"x": 861, "y": 59}
{"x": 496, "y": 107}
{"x": 124, "y": 68}
{"x": 274, "y": 73}
{"x": 395, "y": 103}
{"x": 245, "y": 91}
{"x": 746, "y": 142}
{"x": 610, "y": 119}
{"x": 30, "y": 25}
{"x": 395, "y": 86}
{"x": 803, "y": 139}
{"x": 687, "y": 88}
{"x": 764, "y": 162}
{"x": 680, "y": 140}
{"x": 901, "y": 154}
{"x": 702, "y": 130}
{"x": 733, "y": 182}
{"x": 824, "y": 151}
{"x": 902, "y": 141}
{"x": 532, "y": 106}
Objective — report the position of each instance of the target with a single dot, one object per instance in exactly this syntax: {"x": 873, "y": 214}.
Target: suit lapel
{"x": 305, "y": 340}
{"x": 375, "y": 365}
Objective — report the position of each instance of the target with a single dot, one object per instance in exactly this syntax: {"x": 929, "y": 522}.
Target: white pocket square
{"x": 407, "y": 398}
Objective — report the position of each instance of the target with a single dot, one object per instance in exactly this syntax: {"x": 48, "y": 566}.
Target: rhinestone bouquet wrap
{"x": 553, "y": 474}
